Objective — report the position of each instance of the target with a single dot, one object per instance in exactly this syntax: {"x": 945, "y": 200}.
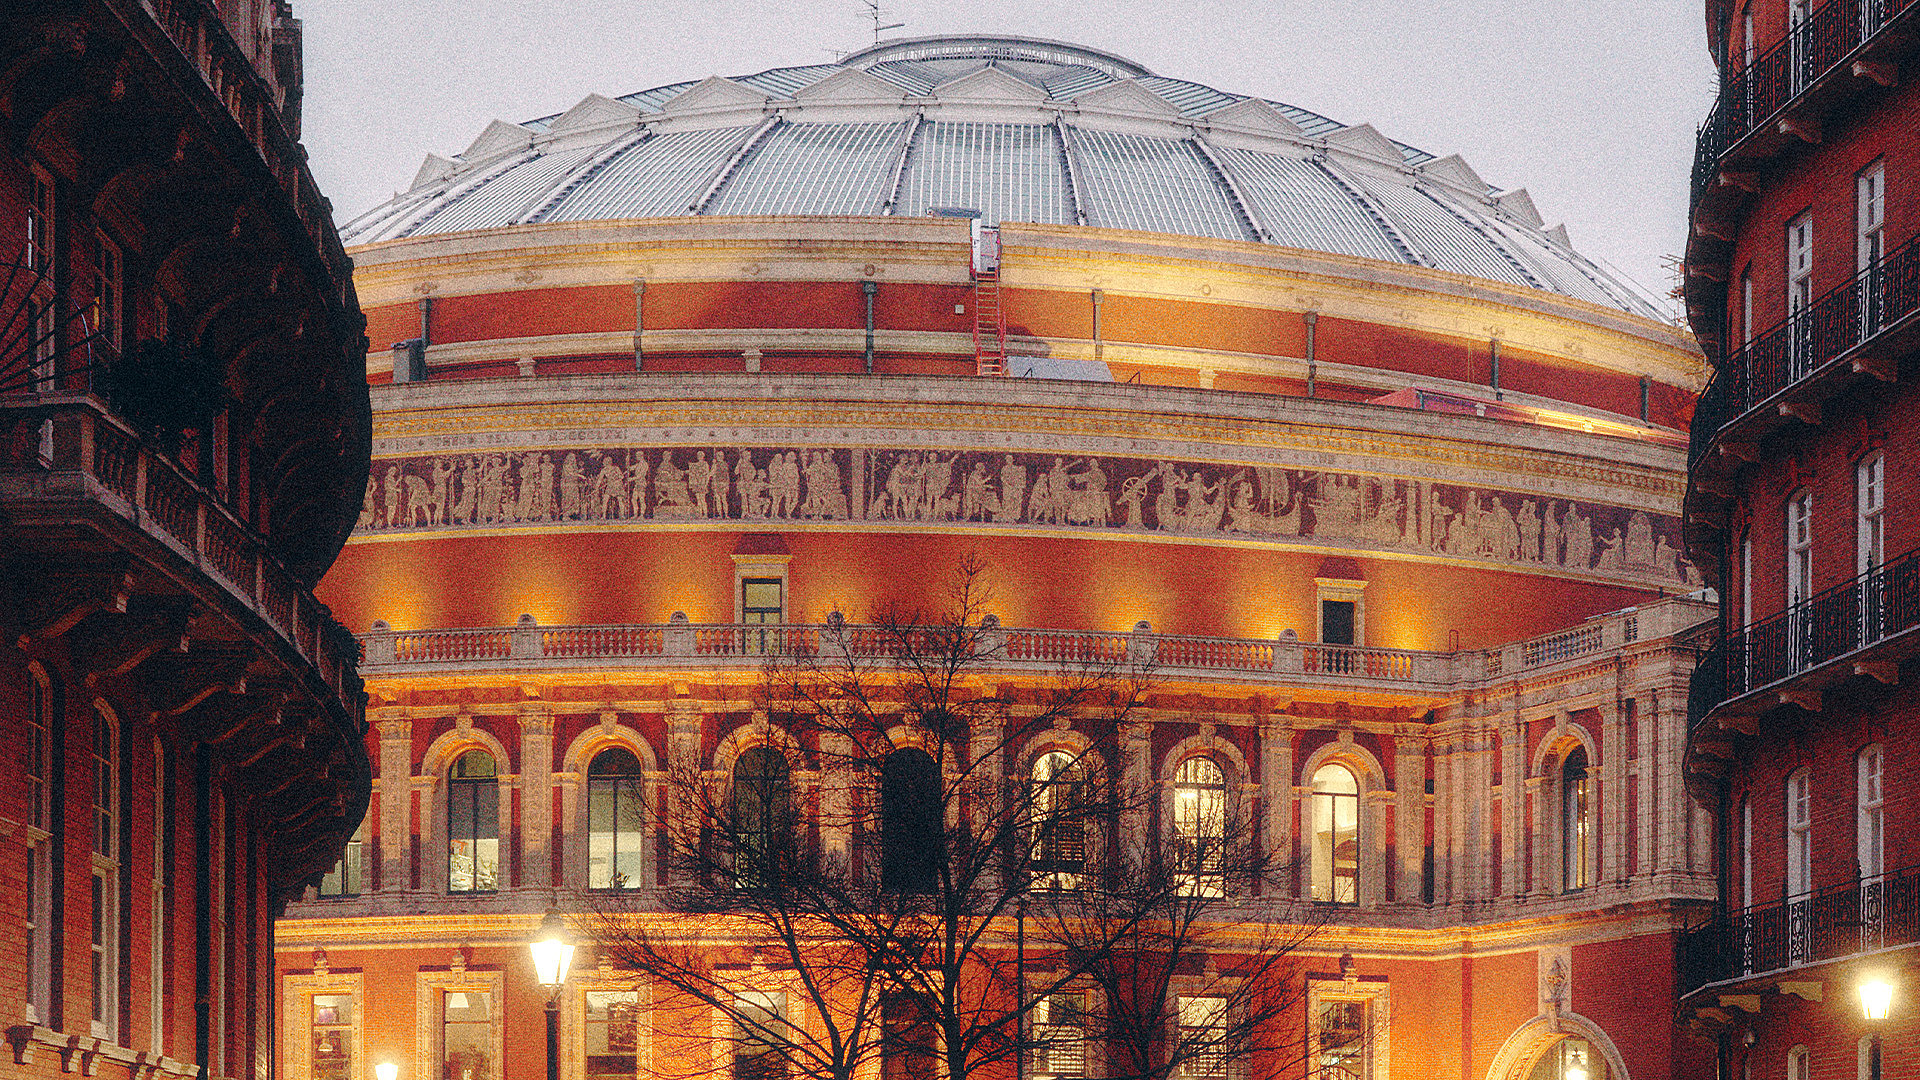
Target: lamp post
{"x": 1876, "y": 1000}
{"x": 552, "y": 954}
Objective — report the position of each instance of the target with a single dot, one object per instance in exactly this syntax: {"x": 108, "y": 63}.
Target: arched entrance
{"x": 1565, "y": 1047}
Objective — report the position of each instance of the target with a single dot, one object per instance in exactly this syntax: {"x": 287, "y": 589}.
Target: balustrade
{"x": 1831, "y": 924}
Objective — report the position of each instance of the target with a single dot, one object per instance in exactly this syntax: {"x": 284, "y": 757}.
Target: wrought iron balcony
{"x": 1850, "y": 329}
{"x": 1755, "y": 100}
{"x": 1872, "y": 618}
{"x": 1832, "y": 924}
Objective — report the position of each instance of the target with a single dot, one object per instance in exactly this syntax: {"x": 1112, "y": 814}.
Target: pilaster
{"x": 1613, "y": 793}
{"x": 396, "y": 801}
{"x": 536, "y": 796}
{"x": 1410, "y": 811}
{"x": 1276, "y": 780}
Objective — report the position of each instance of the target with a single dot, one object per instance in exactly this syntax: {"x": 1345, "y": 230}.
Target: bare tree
{"x": 958, "y": 873}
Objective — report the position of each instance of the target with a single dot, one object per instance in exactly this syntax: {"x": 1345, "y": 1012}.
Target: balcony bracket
{"x": 1807, "y": 412}
{"x": 1884, "y": 368}
{"x": 1809, "y": 700}
{"x": 1744, "y": 723}
{"x": 1883, "y": 671}
{"x": 1715, "y": 229}
{"x": 1804, "y": 128}
{"x": 1707, "y": 271}
{"x": 1741, "y": 450}
{"x": 1804, "y": 989}
{"x": 1882, "y": 72}
{"x": 1739, "y": 178}
{"x": 1744, "y": 1002}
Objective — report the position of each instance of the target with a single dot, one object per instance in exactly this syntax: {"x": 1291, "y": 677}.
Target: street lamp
{"x": 552, "y": 954}
{"x": 386, "y": 1070}
{"x": 1876, "y": 997}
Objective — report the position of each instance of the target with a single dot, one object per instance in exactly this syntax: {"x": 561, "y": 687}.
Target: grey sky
{"x": 1589, "y": 106}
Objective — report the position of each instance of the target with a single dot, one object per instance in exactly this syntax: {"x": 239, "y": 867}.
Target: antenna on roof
{"x": 874, "y": 15}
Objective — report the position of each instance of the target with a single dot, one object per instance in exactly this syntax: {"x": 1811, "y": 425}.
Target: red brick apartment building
{"x": 1372, "y": 474}
{"x": 183, "y": 429}
{"x": 1803, "y": 280}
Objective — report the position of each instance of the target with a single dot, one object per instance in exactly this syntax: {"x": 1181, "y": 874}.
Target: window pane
{"x": 333, "y": 1020}
{"x": 467, "y": 1036}
{"x": 612, "y": 1032}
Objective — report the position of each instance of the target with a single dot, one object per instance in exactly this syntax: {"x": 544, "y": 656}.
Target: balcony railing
{"x": 97, "y": 459}
{"x": 1872, "y": 608}
{"x": 1752, "y": 96}
{"x": 1832, "y": 924}
{"x": 1278, "y": 659}
{"x": 1805, "y": 343}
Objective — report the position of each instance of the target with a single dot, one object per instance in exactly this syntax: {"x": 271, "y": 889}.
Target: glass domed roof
{"x": 1009, "y": 129}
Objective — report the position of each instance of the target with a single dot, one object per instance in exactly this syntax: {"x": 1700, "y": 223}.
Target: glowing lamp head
{"x": 552, "y": 951}
{"x": 386, "y": 1070}
{"x": 1876, "y": 997}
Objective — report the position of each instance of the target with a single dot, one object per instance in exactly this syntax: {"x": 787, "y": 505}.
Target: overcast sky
{"x": 1591, "y": 106}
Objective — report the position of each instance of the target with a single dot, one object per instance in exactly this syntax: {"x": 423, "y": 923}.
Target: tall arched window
{"x": 1199, "y": 826}
{"x": 1336, "y": 835}
{"x": 911, "y": 844}
{"x": 616, "y": 809}
{"x": 762, "y": 801}
{"x": 1576, "y": 821}
{"x": 1059, "y": 815}
{"x": 473, "y": 824}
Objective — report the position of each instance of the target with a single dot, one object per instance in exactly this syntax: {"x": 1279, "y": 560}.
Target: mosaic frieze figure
{"x": 986, "y": 489}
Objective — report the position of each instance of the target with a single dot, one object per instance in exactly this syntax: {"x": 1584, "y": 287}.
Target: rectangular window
{"x": 612, "y": 1033}
{"x": 104, "y": 940}
{"x": 100, "y": 956}
{"x": 1800, "y": 289}
{"x": 1799, "y": 834}
{"x": 1337, "y": 622}
{"x": 762, "y": 605}
{"x": 1060, "y": 1035}
{"x": 39, "y": 223}
{"x": 1870, "y": 814}
{"x": 332, "y": 1037}
{"x": 466, "y": 1035}
{"x": 1870, "y": 494}
{"x": 907, "y": 1053}
{"x": 1799, "y": 547}
{"x": 1340, "y": 1041}
{"x": 1202, "y": 1049}
{"x": 348, "y": 875}
{"x": 1746, "y": 306}
{"x": 106, "y": 320}
{"x": 1870, "y": 214}
{"x": 760, "y": 1037}
{"x": 1746, "y": 853}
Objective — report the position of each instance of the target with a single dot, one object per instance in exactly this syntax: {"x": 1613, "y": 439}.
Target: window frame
{"x": 104, "y": 938}
{"x": 1373, "y": 997}
{"x": 43, "y": 708}
{"x": 297, "y": 994}
{"x": 1197, "y": 855}
{"x": 912, "y": 844}
{"x": 1798, "y": 568}
{"x": 456, "y": 781}
{"x": 628, "y": 790}
{"x": 755, "y": 862}
{"x": 1870, "y": 215}
{"x": 1797, "y": 818}
{"x": 1870, "y": 814}
{"x": 1057, "y": 831}
{"x": 1325, "y": 888}
{"x": 1577, "y": 825}
{"x": 1870, "y": 512}
{"x": 1047, "y": 1029}
{"x": 430, "y": 988}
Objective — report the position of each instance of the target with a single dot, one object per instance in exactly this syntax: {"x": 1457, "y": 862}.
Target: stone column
{"x": 396, "y": 801}
{"x": 1613, "y": 794}
{"x": 536, "y": 797}
{"x": 1276, "y": 785}
{"x": 1136, "y": 791}
{"x": 1409, "y": 811}
{"x": 1643, "y": 770}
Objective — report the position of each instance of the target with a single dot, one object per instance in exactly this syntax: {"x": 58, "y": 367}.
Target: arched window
{"x": 1059, "y": 815}
{"x": 762, "y": 801}
{"x": 1572, "y": 1058}
{"x": 1336, "y": 835}
{"x": 616, "y": 809}
{"x": 911, "y": 844}
{"x": 1199, "y": 826}
{"x": 1576, "y": 821}
{"x": 473, "y": 824}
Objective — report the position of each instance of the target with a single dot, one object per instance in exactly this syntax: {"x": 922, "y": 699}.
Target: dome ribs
{"x": 733, "y": 163}
{"x": 1393, "y": 234}
{"x": 892, "y": 205}
{"x": 1256, "y": 229}
{"x": 587, "y": 171}
{"x": 1069, "y": 159}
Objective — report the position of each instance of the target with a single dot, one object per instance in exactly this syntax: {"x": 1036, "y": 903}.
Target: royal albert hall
{"x": 1378, "y": 475}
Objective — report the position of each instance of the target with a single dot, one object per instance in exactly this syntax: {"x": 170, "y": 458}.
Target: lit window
{"x": 911, "y": 844}
{"x": 1799, "y": 818}
{"x": 1060, "y": 1036}
{"x": 1199, "y": 826}
{"x": 616, "y": 808}
{"x": 348, "y": 876}
{"x": 760, "y": 1036}
{"x": 1572, "y": 1058}
{"x": 1870, "y": 814}
{"x": 1059, "y": 815}
{"x": 1870, "y": 497}
{"x": 473, "y": 825}
{"x": 612, "y": 1023}
{"x": 1202, "y": 1049}
{"x": 466, "y": 1035}
{"x": 1336, "y": 836}
{"x": 1576, "y": 821}
{"x": 762, "y": 801}
{"x": 1341, "y": 1040}
{"x": 332, "y": 1037}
